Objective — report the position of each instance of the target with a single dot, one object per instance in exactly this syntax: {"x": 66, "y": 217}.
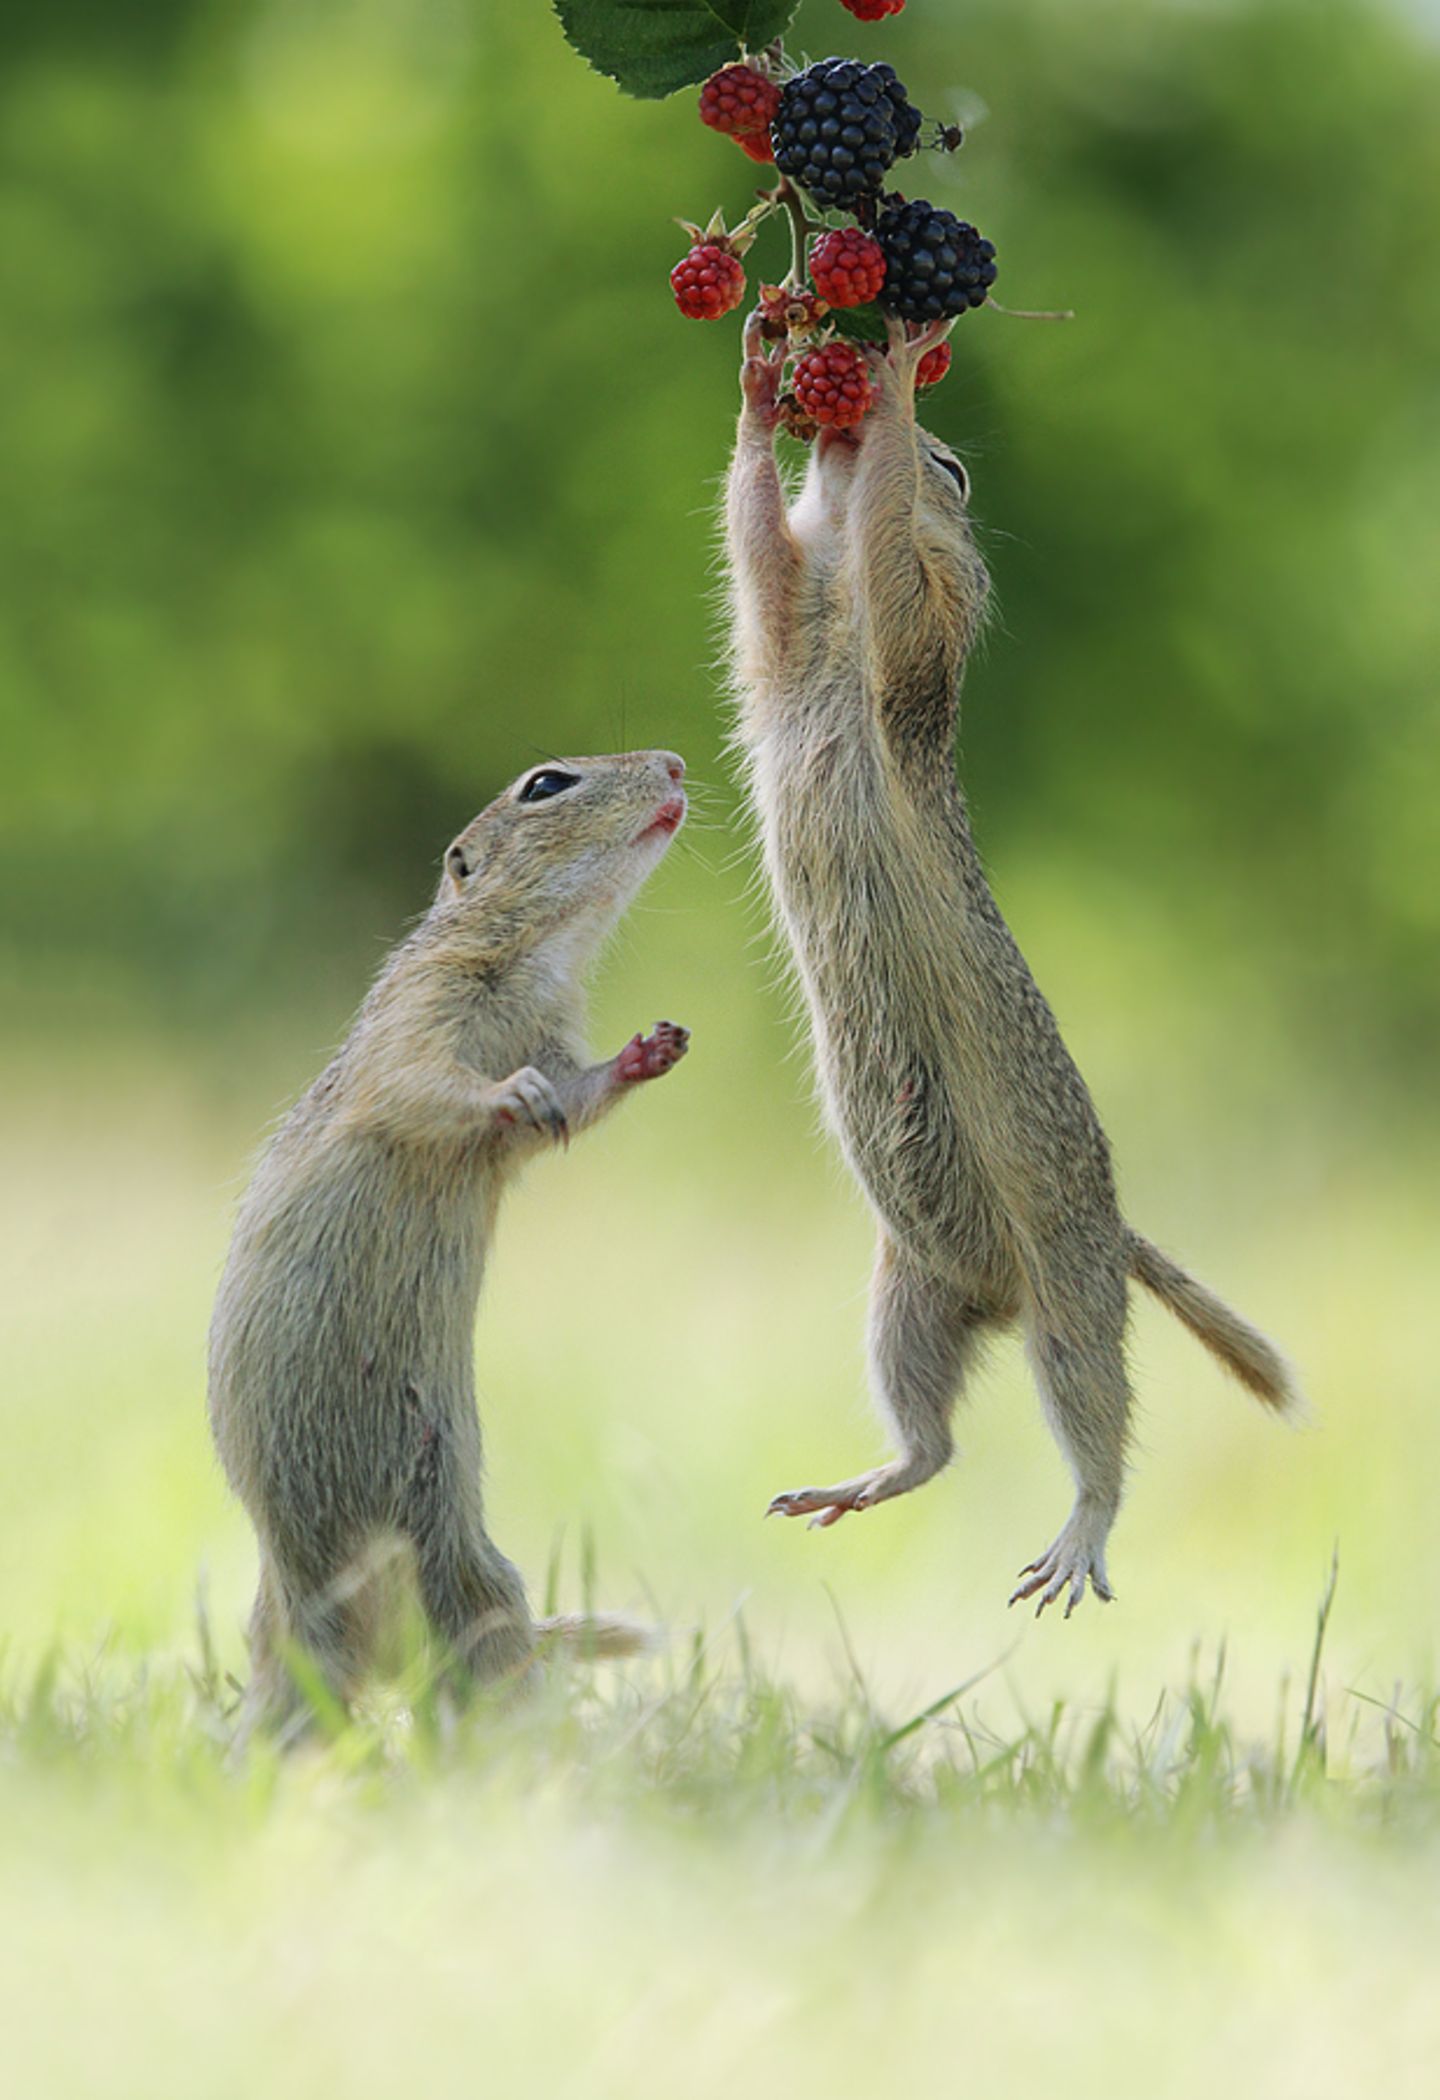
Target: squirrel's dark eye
{"x": 541, "y": 786}
{"x": 953, "y": 468}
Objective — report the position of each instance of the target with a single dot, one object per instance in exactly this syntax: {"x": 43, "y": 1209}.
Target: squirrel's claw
{"x": 527, "y": 1099}
{"x": 1070, "y": 1563}
{"x": 935, "y": 332}
{"x": 826, "y": 1506}
{"x": 915, "y": 345}
{"x": 761, "y": 371}
{"x": 905, "y": 350}
{"x": 895, "y": 332}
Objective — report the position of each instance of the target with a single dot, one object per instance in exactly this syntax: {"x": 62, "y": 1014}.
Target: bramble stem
{"x": 1021, "y": 313}
{"x": 793, "y": 204}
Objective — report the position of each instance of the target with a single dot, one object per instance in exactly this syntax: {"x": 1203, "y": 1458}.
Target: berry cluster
{"x": 743, "y": 104}
{"x": 936, "y": 266}
{"x": 848, "y": 267}
{"x": 708, "y": 282}
{"x": 841, "y": 127}
{"x": 739, "y": 101}
{"x": 862, "y": 256}
{"x": 831, "y": 386}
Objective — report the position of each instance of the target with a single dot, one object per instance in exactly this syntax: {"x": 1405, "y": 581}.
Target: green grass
{"x": 703, "y": 1727}
{"x": 689, "y": 1877}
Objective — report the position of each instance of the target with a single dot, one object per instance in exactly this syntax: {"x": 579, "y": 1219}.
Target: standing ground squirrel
{"x": 341, "y": 1384}
{"x": 941, "y": 1066}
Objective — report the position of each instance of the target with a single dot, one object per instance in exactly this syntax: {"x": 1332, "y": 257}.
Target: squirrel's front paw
{"x": 648, "y": 1056}
{"x": 893, "y": 368}
{"x": 527, "y": 1101}
{"x": 760, "y": 374}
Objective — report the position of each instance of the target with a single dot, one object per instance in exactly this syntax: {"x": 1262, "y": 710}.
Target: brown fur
{"x": 941, "y": 1067}
{"x": 341, "y": 1385}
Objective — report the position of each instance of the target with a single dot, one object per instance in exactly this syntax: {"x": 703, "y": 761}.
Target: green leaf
{"x": 653, "y": 47}
{"x": 860, "y": 324}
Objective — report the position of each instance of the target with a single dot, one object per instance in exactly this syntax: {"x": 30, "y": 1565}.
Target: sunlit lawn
{"x": 692, "y": 1880}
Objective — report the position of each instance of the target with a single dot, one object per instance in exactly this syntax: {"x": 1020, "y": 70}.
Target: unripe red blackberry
{"x": 848, "y": 267}
{"x": 936, "y": 266}
{"x": 707, "y": 282}
{"x": 933, "y": 366}
{"x": 872, "y": 10}
{"x": 739, "y": 101}
{"x": 832, "y": 386}
{"x": 756, "y": 144}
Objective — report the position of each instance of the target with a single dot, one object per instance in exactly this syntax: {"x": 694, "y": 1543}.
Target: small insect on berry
{"x": 739, "y": 101}
{"x": 933, "y": 366}
{"x": 847, "y": 266}
{"x": 832, "y": 386}
{"x": 707, "y": 283}
{"x": 872, "y": 10}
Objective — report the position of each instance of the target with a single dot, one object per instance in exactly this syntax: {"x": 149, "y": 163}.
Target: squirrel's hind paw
{"x": 826, "y": 1506}
{"x": 1077, "y": 1557}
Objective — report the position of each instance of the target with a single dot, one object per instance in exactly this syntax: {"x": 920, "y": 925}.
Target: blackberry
{"x": 933, "y": 366}
{"x": 755, "y": 145}
{"x": 708, "y": 282}
{"x": 740, "y": 101}
{"x": 840, "y": 127}
{"x": 847, "y": 267}
{"x": 908, "y": 119}
{"x": 832, "y": 386}
{"x": 935, "y": 264}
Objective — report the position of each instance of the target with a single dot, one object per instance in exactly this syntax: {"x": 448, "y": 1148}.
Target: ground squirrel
{"x": 341, "y": 1386}
{"x": 941, "y": 1067}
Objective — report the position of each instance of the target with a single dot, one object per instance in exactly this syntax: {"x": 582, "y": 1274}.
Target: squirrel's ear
{"x": 461, "y": 862}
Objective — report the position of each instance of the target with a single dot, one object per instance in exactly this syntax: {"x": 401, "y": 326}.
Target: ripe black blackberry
{"x": 840, "y": 127}
{"x": 908, "y": 119}
{"x": 935, "y": 264}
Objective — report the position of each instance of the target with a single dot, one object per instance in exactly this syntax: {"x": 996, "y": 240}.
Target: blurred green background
{"x": 354, "y": 455}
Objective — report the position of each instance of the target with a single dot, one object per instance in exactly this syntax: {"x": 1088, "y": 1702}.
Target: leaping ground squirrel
{"x": 341, "y": 1384}
{"x": 941, "y": 1067}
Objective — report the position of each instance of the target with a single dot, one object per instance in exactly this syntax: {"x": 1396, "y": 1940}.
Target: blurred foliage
{"x": 354, "y": 454}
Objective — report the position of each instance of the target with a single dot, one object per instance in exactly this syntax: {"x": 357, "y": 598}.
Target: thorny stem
{"x": 1021, "y": 313}
{"x": 793, "y": 204}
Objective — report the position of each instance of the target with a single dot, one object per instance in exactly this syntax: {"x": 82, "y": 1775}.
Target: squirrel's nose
{"x": 675, "y": 767}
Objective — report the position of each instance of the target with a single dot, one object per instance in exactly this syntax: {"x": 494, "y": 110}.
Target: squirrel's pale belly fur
{"x": 941, "y": 1067}
{"x": 341, "y": 1378}
{"x": 381, "y": 1370}
{"x": 950, "y": 1139}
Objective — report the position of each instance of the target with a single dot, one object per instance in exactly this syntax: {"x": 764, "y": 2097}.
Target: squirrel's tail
{"x": 597, "y": 1636}
{"x": 1243, "y": 1350}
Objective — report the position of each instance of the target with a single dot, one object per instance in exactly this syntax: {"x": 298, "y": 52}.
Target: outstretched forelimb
{"x": 764, "y": 561}
{"x": 914, "y": 567}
